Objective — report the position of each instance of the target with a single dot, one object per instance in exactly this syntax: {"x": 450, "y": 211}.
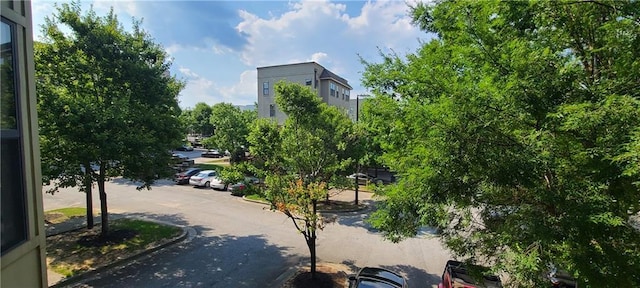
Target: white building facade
{"x": 333, "y": 89}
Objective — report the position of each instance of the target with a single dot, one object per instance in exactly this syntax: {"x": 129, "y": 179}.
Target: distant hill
{"x": 246, "y": 107}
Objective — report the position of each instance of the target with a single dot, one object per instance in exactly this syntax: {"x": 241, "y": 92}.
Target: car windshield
{"x": 372, "y": 283}
{"x": 202, "y": 175}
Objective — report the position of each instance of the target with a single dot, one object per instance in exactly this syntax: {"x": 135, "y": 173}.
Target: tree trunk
{"x": 89, "y": 194}
{"x": 312, "y": 244}
{"x": 326, "y": 199}
{"x": 104, "y": 216}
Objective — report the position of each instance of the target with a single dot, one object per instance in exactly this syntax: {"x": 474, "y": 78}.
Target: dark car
{"x": 212, "y": 153}
{"x": 376, "y": 277}
{"x": 236, "y": 189}
{"x": 184, "y": 148}
{"x": 183, "y": 177}
{"x": 457, "y": 274}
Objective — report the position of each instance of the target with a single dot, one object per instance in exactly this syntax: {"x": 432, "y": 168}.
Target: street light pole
{"x": 357, "y": 158}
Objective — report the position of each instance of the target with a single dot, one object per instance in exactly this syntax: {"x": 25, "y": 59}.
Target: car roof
{"x": 382, "y": 275}
{"x": 207, "y": 171}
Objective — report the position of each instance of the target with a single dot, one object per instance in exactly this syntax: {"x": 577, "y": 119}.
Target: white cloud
{"x": 289, "y": 36}
{"x": 197, "y": 89}
{"x": 242, "y": 92}
{"x": 187, "y": 72}
{"x": 202, "y": 89}
{"x": 324, "y": 32}
{"x": 319, "y": 57}
{"x": 119, "y": 7}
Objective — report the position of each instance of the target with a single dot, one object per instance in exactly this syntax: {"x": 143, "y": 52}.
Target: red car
{"x": 456, "y": 275}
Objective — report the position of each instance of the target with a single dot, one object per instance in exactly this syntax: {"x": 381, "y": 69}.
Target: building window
{"x": 14, "y": 225}
{"x": 332, "y": 89}
{"x": 307, "y": 82}
{"x": 265, "y": 88}
{"x": 346, "y": 96}
{"x": 272, "y": 110}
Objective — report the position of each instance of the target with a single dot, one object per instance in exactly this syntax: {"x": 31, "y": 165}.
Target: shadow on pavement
{"x": 202, "y": 260}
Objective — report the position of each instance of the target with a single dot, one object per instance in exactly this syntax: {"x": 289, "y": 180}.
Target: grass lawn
{"x": 211, "y": 166}
{"x": 60, "y": 215}
{"x": 78, "y": 251}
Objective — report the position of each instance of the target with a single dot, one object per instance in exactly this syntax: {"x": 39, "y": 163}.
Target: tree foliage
{"x": 106, "y": 104}
{"x": 198, "y": 120}
{"x": 231, "y": 129}
{"x": 301, "y": 158}
{"x": 515, "y": 131}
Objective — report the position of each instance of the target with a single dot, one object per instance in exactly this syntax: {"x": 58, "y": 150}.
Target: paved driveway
{"x": 243, "y": 244}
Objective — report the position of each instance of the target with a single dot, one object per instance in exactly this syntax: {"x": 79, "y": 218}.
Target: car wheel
{"x": 225, "y": 187}
{"x": 206, "y": 184}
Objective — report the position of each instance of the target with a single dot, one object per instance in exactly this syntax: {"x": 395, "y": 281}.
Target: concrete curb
{"x": 364, "y": 207}
{"x": 286, "y": 275}
{"x": 186, "y": 231}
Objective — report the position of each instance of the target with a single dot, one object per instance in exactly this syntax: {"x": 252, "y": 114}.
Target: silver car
{"x": 203, "y": 179}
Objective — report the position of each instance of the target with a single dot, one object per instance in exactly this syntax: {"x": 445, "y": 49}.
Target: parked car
{"x": 212, "y": 153}
{"x": 203, "y": 179}
{"x": 457, "y": 274}
{"x": 183, "y": 177}
{"x": 364, "y": 179}
{"x": 184, "y": 148}
{"x": 179, "y": 156}
{"x": 218, "y": 184}
{"x": 253, "y": 180}
{"x": 236, "y": 189}
{"x": 377, "y": 277}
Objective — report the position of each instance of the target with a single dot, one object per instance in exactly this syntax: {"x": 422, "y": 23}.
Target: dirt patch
{"x": 55, "y": 217}
{"x": 328, "y": 275}
{"x": 339, "y": 206}
{"x": 113, "y": 238}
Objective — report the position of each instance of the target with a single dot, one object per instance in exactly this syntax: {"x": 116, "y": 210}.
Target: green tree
{"x": 231, "y": 129}
{"x": 515, "y": 131}
{"x": 201, "y": 119}
{"x": 186, "y": 119}
{"x": 106, "y": 104}
{"x": 302, "y": 158}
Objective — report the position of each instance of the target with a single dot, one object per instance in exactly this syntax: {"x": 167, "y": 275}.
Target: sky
{"x": 216, "y": 46}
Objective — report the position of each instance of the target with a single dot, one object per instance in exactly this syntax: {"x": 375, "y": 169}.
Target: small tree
{"x": 301, "y": 157}
{"x": 299, "y": 201}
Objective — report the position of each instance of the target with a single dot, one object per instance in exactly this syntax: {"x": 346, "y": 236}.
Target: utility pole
{"x": 358, "y": 158}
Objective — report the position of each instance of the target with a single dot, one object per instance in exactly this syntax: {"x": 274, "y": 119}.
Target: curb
{"x": 186, "y": 231}
{"x": 286, "y": 275}
{"x": 363, "y": 207}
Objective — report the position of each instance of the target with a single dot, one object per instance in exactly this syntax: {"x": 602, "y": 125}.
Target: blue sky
{"x": 216, "y": 46}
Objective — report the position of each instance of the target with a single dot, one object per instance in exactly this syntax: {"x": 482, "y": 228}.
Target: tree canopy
{"x": 106, "y": 103}
{"x": 301, "y": 158}
{"x": 515, "y": 131}
{"x": 198, "y": 119}
{"x": 231, "y": 129}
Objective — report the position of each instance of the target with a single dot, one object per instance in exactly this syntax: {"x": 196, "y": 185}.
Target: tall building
{"x": 333, "y": 89}
{"x": 22, "y": 235}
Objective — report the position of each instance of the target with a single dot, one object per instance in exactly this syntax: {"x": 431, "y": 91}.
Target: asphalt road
{"x": 243, "y": 244}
